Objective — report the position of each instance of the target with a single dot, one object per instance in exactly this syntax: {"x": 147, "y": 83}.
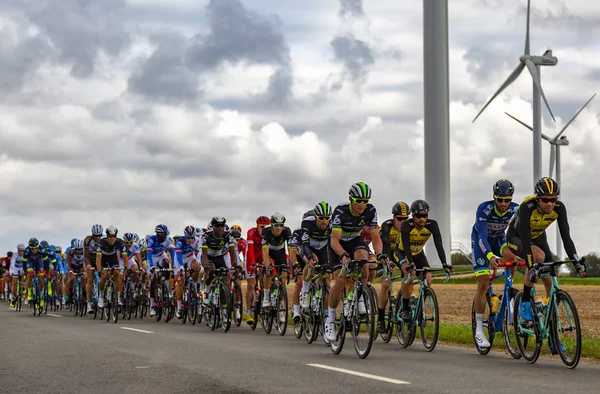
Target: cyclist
{"x": 158, "y": 245}
{"x": 34, "y": 261}
{"x": 316, "y": 234}
{"x": 90, "y": 245}
{"x": 75, "y": 265}
{"x": 274, "y": 238}
{"x": 526, "y": 236}
{"x": 55, "y": 262}
{"x": 253, "y": 258}
{"x": 108, "y": 254}
{"x": 488, "y": 241}
{"x": 241, "y": 244}
{"x": 5, "y": 273}
{"x": 186, "y": 252}
{"x": 134, "y": 264}
{"x": 390, "y": 237}
{"x": 346, "y": 244}
{"x": 16, "y": 271}
{"x": 297, "y": 262}
{"x": 213, "y": 255}
{"x": 415, "y": 232}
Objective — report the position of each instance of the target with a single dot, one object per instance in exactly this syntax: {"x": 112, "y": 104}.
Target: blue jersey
{"x": 490, "y": 225}
{"x": 156, "y": 248}
{"x": 184, "y": 249}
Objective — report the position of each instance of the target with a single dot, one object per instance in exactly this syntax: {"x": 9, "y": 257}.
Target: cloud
{"x": 352, "y": 7}
{"x": 354, "y": 54}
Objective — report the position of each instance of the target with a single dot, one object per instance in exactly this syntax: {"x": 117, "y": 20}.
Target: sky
{"x": 139, "y": 112}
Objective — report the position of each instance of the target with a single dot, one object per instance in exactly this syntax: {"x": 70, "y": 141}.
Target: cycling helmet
{"x": 209, "y": 227}
{"x": 128, "y": 237}
{"x": 236, "y": 234}
{"x": 262, "y": 221}
{"x": 20, "y": 247}
{"x": 199, "y": 231}
{"x": 161, "y": 229}
{"x": 308, "y": 213}
{"x": 189, "y": 231}
{"x": 97, "y": 229}
{"x": 236, "y": 227}
{"x": 9, "y": 254}
{"x": 419, "y": 207}
{"x": 136, "y": 237}
{"x": 44, "y": 245}
{"x": 142, "y": 244}
{"x": 277, "y": 218}
{"x": 360, "y": 190}
{"x": 78, "y": 244}
{"x": 52, "y": 248}
{"x": 400, "y": 208}
{"x": 218, "y": 220}
{"x": 323, "y": 209}
{"x": 112, "y": 230}
{"x": 34, "y": 243}
{"x": 503, "y": 187}
{"x": 73, "y": 240}
{"x": 58, "y": 249}
{"x": 547, "y": 187}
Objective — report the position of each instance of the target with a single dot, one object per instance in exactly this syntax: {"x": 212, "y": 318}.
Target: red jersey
{"x": 254, "y": 253}
{"x": 366, "y": 235}
{"x": 242, "y": 246}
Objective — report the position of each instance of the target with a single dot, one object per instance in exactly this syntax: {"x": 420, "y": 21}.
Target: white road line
{"x": 53, "y": 315}
{"x": 135, "y": 329}
{"x": 141, "y": 367}
{"x": 364, "y": 375}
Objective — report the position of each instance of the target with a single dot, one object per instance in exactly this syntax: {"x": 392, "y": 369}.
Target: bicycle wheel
{"x": 389, "y": 313}
{"x": 488, "y": 325}
{"x": 114, "y": 306}
{"x": 373, "y": 292}
{"x": 508, "y": 330}
{"x": 106, "y": 311}
{"x": 322, "y": 317}
{"x": 339, "y": 326}
{"x": 309, "y": 321}
{"x": 256, "y": 309}
{"x": 527, "y": 334}
{"x": 405, "y": 332}
{"x": 224, "y": 307}
{"x": 430, "y": 319}
{"x": 238, "y": 304}
{"x": 266, "y": 317}
{"x": 281, "y": 315}
{"x": 363, "y": 323}
{"x": 167, "y": 304}
{"x": 566, "y": 329}
{"x": 212, "y": 315}
{"x": 192, "y": 298}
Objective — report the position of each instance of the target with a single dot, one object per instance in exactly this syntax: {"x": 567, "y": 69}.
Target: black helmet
{"x": 503, "y": 188}
{"x": 419, "y": 207}
{"x": 400, "y": 208}
{"x": 308, "y": 213}
{"x": 547, "y": 187}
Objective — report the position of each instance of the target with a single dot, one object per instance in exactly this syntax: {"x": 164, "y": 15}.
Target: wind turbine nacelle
{"x": 562, "y": 141}
{"x": 544, "y": 60}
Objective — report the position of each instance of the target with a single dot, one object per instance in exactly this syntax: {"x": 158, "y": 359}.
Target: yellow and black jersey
{"x": 414, "y": 239}
{"x": 529, "y": 223}
{"x": 390, "y": 237}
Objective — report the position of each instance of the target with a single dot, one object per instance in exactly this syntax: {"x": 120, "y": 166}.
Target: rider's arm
{"x": 306, "y": 250}
{"x": 405, "y": 229}
{"x": 336, "y": 235}
{"x": 178, "y": 252}
{"x": 376, "y": 240}
{"x": 233, "y": 254}
{"x": 437, "y": 240}
{"x": 481, "y": 224}
{"x": 524, "y": 218}
{"x": 250, "y": 259}
{"x": 69, "y": 259}
{"x": 149, "y": 253}
{"x": 385, "y": 238}
{"x": 204, "y": 255}
{"x": 565, "y": 233}
{"x": 99, "y": 260}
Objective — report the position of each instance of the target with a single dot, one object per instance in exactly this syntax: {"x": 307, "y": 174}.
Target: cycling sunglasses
{"x": 363, "y": 201}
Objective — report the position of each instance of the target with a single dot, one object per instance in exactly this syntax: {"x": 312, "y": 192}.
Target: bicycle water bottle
{"x": 539, "y": 304}
{"x": 495, "y": 301}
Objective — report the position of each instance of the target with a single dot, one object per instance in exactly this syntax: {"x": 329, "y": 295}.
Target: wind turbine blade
{"x": 573, "y": 118}
{"x": 552, "y": 158}
{"x": 527, "y": 31}
{"x": 536, "y": 80}
{"x": 544, "y": 136}
{"x": 511, "y": 78}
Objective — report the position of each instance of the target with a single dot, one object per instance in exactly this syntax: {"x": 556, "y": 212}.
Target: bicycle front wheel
{"x": 282, "y": 310}
{"x": 508, "y": 330}
{"x": 389, "y": 326}
{"x": 115, "y": 306}
{"x": 566, "y": 329}
{"x": 225, "y": 308}
{"x": 405, "y": 332}
{"x": 527, "y": 333}
{"x": 363, "y": 323}
{"x": 430, "y": 319}
{"x": 238, "y": 304}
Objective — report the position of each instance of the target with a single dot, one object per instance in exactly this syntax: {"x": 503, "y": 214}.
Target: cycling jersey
{"x": 414, "y": 239}
{"x": 16, "y": 264}
{"x": 390, "y": 237}
{"x": 490, "y": 225}
{"x": 241, "y": 246}
{"x": 131, "y": 250}
{"x": 156, "y": 251}
{"x": 216, "y": 246}
{"x": 296, "y": 243}
{"x": 34, "y": 261}
{"x": 528, "y": 224}
{"x": 110, "y": 253}
{"x": 350, "y": 225}
{"x": 90, "y": 247}
{"x": 276, "y": 244}
{"x": 254, "y": 253}
{"x": 185, "y": 253}
{"x": 313, "y": 238}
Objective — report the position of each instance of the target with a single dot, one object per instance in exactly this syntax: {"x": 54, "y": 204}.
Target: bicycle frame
{"x": 505, "y": 303}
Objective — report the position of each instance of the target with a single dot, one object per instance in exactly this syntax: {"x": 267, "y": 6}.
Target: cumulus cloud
{"x": 354, "y": 54}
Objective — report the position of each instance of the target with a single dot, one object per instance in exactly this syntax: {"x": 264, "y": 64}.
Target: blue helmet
{"x": 34, "y": 243}
{"x": 44, "y": 245}
{"x": 503, "y": 188}
{"x": 52, "y": 248}
{"x": 161, "y": 229}
{"x": 73, "y": 241}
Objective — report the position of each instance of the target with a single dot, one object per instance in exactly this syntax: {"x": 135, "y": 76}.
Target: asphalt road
{"x": 67, "y": 354}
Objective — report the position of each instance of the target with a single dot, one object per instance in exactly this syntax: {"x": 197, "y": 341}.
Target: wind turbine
{"x": 555, "y": 144}
{"x": 533, "y": 64}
